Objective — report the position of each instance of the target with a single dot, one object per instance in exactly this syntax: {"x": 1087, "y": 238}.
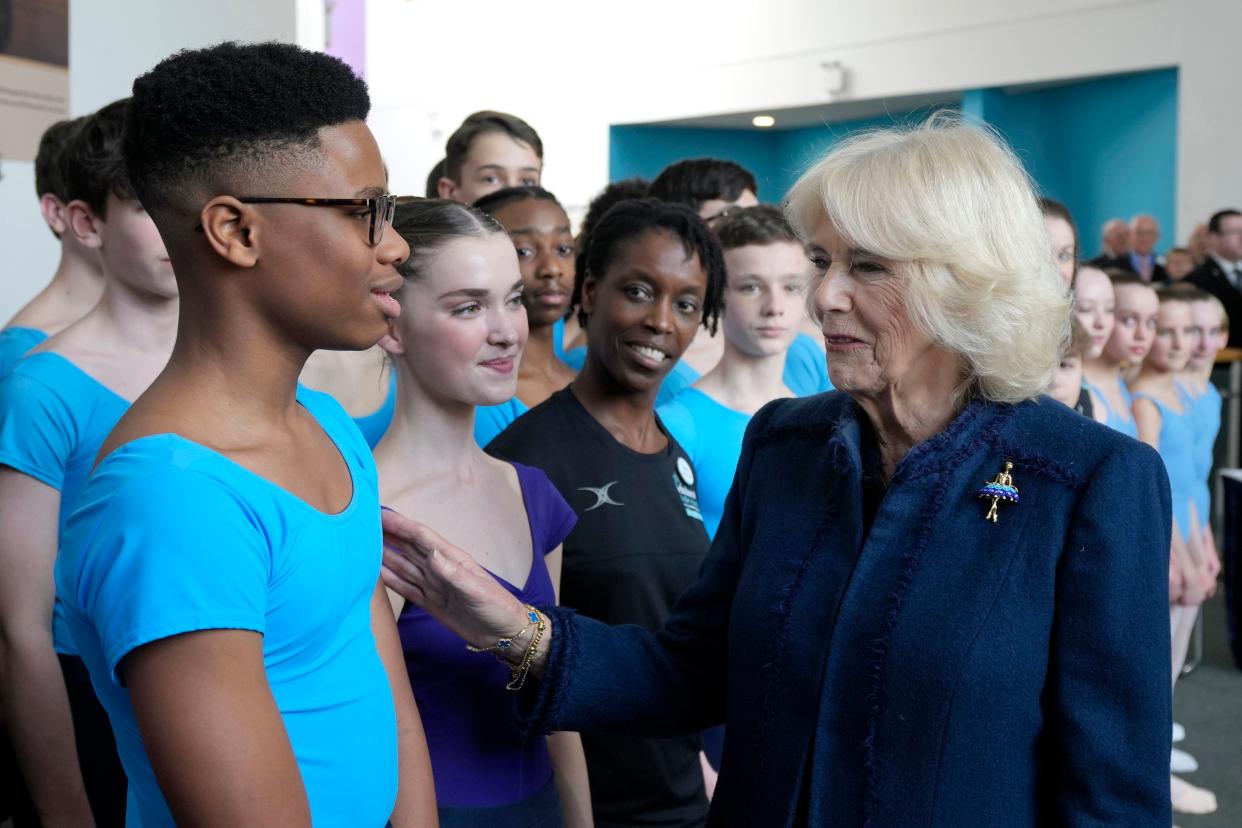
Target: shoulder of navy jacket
{"x": 818, "y": 416}
{"x": 1048, "y": 439}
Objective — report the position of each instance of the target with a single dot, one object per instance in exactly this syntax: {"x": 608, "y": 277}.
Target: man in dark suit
{"x": 1221, "y": 273}
{"x": 1141, "y": 258}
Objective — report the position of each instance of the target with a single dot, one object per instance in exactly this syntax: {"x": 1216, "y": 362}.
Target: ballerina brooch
{"x": 1001, "y": 488}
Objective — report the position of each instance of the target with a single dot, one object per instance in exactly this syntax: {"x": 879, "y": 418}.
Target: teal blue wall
{"x": 1105, "y": 147}
{"x": 775, "y": 157}
{"x": 645, "y": 150}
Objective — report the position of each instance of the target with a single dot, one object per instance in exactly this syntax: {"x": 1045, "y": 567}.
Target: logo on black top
{"x": 602, "y": 498}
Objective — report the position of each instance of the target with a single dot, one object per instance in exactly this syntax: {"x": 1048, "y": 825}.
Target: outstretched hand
{"x": 433, "y": 574}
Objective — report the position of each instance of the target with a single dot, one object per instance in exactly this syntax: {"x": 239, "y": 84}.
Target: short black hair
{"x": 486, "y": 122}
{"x": 761, "y": 224}
{"x": 697, "y": 180}
{"x": 492, "y": 202}
{"x": 433, "y": 179}
{"x": 1219, "y": 216}
{"x": 613, "y": 194}
{"x": 49, "y": 160}
{"x": 628, "y": 220}
{"x": 94, "y": 166}
{"x": 211, "y": 116}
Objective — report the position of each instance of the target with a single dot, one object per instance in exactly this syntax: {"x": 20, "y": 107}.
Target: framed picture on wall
{"x": 34, "y": 72}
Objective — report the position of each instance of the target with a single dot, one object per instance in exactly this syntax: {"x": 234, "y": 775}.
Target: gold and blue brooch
{"x": 1001, "y": 488}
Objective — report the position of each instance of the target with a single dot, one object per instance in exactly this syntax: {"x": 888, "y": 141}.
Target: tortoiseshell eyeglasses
{"x": 379, "y": 208}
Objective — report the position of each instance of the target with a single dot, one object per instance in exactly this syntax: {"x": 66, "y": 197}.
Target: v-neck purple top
{"x": 478, "y": 757}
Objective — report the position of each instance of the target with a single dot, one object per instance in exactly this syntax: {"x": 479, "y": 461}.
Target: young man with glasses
{"x": 221, "y": 575}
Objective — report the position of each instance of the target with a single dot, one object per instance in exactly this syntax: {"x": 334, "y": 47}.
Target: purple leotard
{"x": 478, "y": 758}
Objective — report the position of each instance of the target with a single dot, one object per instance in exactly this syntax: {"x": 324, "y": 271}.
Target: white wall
{"x": 1209, "y": 138}
{"x": 571, "y": 69}
{"x": 110, "y": 43}
{"x": 29, "y": 252}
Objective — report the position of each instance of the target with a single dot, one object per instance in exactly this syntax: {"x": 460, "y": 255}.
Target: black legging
{"x": 102, "y": 774}
{"x": 106, "y": 785}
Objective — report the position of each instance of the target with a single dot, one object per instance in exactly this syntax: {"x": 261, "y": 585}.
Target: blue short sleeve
{"x": 806, "y": 367}
{"x": 490, "y": 420}
{"x": 374, "y": 425}
{"x": 681, "y": 377}
{"x": 15, "y": 343}
{"x": 36, "y": 429}
{"x": 678, "y": 420}
{"x": 175, "y": 552}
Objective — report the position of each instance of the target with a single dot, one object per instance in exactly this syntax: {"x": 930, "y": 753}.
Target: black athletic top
{"x": 638, "y": 543}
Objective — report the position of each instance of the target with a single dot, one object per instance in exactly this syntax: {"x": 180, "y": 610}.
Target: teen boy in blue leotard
{"x": 221, "y": 574}
{"x": 57, "y": 406}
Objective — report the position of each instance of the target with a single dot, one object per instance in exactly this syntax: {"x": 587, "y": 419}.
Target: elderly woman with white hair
{"x": 935, "y": 598}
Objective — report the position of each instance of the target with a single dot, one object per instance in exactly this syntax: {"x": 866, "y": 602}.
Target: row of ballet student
{"x": 57, "y": 407}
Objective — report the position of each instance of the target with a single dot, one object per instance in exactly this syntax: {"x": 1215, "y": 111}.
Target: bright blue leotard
{"x": 1178, "y": 450}
{"x": 1206, "y": 410}
{"x": 53, "y": 419}
{"x": 490, "y": 420}
{"x": 711, "y": 435}
{"x": 1113, "y": 419}
{"x": 374, "y": 425}
{"x": 171, "y": 537}
{"x": 15, "y": 343}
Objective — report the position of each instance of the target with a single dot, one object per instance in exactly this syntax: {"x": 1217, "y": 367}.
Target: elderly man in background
{"x": 1114, "y": 243}
{"x": 1140, "y": 256}
{"x": 1143, "y": 260}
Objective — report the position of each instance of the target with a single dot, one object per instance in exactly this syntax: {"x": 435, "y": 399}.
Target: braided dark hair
{"x": 628, "y": 220}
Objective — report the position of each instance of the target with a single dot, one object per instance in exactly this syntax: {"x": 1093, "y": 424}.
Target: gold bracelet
{"x": 518, "y": 676}
{"x": 502, "y": 645}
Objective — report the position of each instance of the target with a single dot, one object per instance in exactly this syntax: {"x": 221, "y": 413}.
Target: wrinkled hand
{"x": 433, "y": 574}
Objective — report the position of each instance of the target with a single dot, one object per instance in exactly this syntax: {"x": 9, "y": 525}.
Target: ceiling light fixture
{"x": 763, "y": 121}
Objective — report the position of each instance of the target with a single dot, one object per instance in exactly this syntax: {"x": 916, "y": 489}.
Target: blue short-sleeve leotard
{"x": 1113, "y": 419}
{"x": 53, "y": 419}
{"x": 1178, "y": 450}
{"x": 1206, "y": 408}
{"x": 171, "y": 537}
{"x": 15, "y": 343}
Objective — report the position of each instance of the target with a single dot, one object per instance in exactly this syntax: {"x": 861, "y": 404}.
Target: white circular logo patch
{"x": 684, "y": 471}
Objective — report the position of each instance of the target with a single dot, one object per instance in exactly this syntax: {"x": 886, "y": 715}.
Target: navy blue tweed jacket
{"x": 934, "y": 669}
